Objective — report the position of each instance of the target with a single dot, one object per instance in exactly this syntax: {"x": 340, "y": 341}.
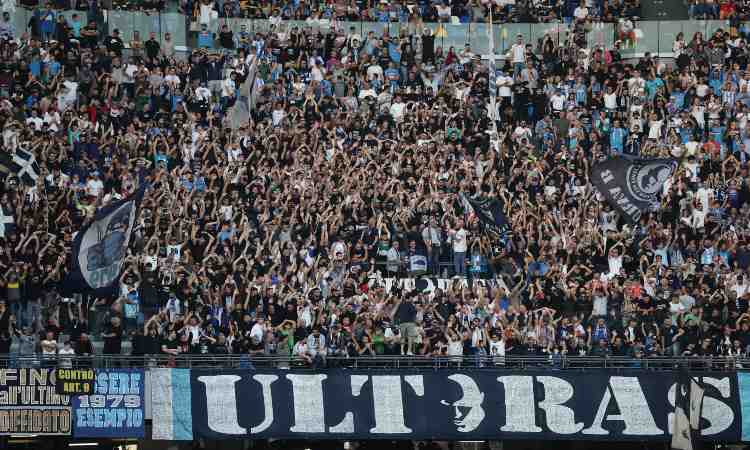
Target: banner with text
{"x": 30, "y": 404}
{"x": 487, "y": 404}
{"x": 429, "y": 285}
{"x": 114, "y": 408}
{"x": 75, "y": 381}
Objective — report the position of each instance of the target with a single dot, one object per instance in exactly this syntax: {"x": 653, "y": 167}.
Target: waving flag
{"x": 7, "y": 221}
{"x": 99, "y": 249}
{"x": 21, "y": 164}
{"x": 490, "y": 214}
{"x": 632, "y": 186}
{"x": 492, "y": 78}
{"x": 688, "y": 400}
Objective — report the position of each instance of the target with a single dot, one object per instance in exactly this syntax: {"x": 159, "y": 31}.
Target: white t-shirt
{"x": 610, "y": 101}
{"x": 258, "y": 331}
{"x": 36, "y": 122}
{"x": 203, "y": 93}
{"x": 459, "y": 241}
{"x": 49, "y": 347}
{"x": 558, "y": 102}
{"x": 654, "y": 131}
{"x": 519, "y": 53}
{"x": 373, "y": 71}
{"x": 228, "y": 88}
{"x": 615, "y": 265}
{"x": 504, "y": 83}
{"x": 205, "y": 13}
{"x": 741, "y": 289}
{"x": 676, "y": 308}
{"x": 94, "y": 187}
{"x": 394, "y": 259}
{"x": 497, "y": 348}
{"x": 703, "y": 195}
{"x": 172, "y": 80}
{"x": 397, "y": 111}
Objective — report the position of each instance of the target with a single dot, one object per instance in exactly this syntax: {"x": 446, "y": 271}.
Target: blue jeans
{"x": 32, "y": 314}
{"x": 459, "y": 263}
{"x": 434, "y": 256}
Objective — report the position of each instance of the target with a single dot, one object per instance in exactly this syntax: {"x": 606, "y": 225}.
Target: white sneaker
{"x": 409, "y": 354}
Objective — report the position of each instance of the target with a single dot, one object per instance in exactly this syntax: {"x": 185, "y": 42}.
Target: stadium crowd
{"x": 289, "y": 234}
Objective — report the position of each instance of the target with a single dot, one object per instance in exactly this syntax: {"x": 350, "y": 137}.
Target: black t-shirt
{"x": 4, "y": 319}
{"x": 90, "y": 41}
{"x": 114, "y": 44}
{"x": 406, "y": 312}
{"x": 255, "y": 346}
{"x": 170, "y": 344}
{"x": 218, "y": 349}
{"x": 152, "y": 48}
{"x": 113, "y": 344}
{"x": 5, "y": 342}
{"x": 226, "y": 39}
{"x": 139, "y": 345}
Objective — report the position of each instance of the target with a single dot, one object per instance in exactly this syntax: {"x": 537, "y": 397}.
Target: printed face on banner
{"x": 646, "y": 179}
{"x": 104, "y": 244}
{"x": 469, "y": 413}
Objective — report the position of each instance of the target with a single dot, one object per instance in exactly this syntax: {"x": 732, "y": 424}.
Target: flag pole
{"x": 494, "y": 143}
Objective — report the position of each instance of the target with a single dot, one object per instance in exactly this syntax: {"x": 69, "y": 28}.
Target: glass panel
{"x": 174, "y": 24}
{"x": 602, "y": 35}
{"x": 691, "y": 27}
{"x": 479, "y": 39}
{"x": 647, "y": 36}
{"x": 557, "y": 31}
{"x": 20, "y": 20}
{"x": 668, "y": 30}
{"x": 120, "y": 20}
{"x": 457, "y": 37}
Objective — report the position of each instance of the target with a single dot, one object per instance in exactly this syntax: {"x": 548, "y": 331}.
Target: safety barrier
{"x": 550, "y": 362}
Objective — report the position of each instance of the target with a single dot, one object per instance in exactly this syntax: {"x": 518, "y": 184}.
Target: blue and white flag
{"x": 253, "y": 85}
{"x": 21, "y": 164}
{"x": 171, "y": 403}
{"x": 7, "y": 221}
{"x": 492, "y": 107}
{"x": 99, "y": 248}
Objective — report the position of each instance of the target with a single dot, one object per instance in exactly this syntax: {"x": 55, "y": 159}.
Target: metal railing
{"x": 379, "y": 362}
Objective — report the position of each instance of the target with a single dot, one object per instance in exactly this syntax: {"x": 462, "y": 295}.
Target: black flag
{"x": 490, "y": 214}
{"x": 688, "y": 401}
{"x": 99, "y": 248}
{"x": 632, "y": 185}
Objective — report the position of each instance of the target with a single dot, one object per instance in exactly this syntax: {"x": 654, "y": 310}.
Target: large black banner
{"x": 480, "y": 404}
{"x": 632, "y": 186}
